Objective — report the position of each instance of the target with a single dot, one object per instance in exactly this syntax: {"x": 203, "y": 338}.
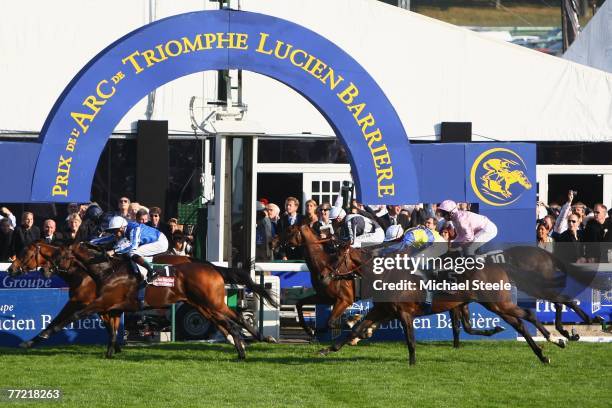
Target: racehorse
{"x": 500, "y": 303}
{"x": 542, "y": 275}
{"x": 341, "y": 292}
{"x": 200, "y": 284}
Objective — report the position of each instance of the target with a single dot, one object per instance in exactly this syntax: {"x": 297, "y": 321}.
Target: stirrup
{"x": 151, "y": 275}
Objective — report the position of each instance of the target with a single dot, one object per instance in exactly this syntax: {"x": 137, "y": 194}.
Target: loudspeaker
{"x": 152, "y": 163}
{"x": 456, "y": 132}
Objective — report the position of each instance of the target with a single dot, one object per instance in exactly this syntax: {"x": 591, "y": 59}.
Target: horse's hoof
{"x": 26, "y": 344}
{"x": 574, "y": 337}
{"x": 270, "y": 339}
{"x": 545, "y": 360}
{"x": 311, "y": 332}
{"x": 108, "y": 355}
{"x": 561, "y": 343}
{"x": 324, "y": 352}
{"x": 498, "y": 329}
{"x": 598, "y": 320}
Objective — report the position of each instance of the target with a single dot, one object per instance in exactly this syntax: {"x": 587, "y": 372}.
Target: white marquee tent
{"x": 431, "y": 71}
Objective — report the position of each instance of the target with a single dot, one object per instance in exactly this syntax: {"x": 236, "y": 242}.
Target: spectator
{"x": 324, "y": 226}
{"x": 123, "y": 207}
{"x": 142, "y": 216}
{"x": 394, "y": 217}
{"x": 448, "y": 231}
{"x": 82, "y": 210}
{"x": 431, "y": 223}
{"x": 132, "y": 210}
{"x": 6, "y": 240}
{"x": 463, "y": 206}
{"x": 545, "y": 241}
{"x": 549, "y": 222}
{"x": 291, "y": 217}
{"x": 273, "y": 214}
{"x": 173, "y": 225}
{"x": 75, "y": 233}
{"x": 580, "y": 210}
{"x": 571, "y": 248}
{"x": 50, "y": 235}
{"x": 263, "y": 234}
{"x": 26, "y": 233}
{"x": 566, "y": 211}
{"x": 311, "y": 212}
{"x": 418, "y": 216}
{"x": 180, "y": 244}
{"x": 6, "y": 213}
{"x": 599, "y": 229}
{"x": 541, "y": 211}
{"x": 156, "y": 222}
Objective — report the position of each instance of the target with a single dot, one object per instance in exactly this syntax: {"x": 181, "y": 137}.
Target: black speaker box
{"x": 152, "y": 163}
{"x": 451, "y": 132}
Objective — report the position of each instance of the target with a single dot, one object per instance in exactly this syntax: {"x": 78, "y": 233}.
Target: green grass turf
{"x": 500, "y": 374}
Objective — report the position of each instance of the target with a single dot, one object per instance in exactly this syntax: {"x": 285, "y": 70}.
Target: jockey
{"x": 139, "y": 240}
{"x": 362, "y": 231}
{"x": 427, "y": 244}
{"x": 473, "y": 229}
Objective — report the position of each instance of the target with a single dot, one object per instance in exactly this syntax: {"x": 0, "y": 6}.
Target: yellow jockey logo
{"x": 498, "y": 177}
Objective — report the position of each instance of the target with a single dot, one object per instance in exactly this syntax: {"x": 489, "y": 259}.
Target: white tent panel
{"x": 431, "y": 71}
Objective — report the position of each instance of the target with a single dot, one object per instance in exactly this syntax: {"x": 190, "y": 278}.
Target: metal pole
{"x": 261, "y": 305}
{"x": 173, "y": 322}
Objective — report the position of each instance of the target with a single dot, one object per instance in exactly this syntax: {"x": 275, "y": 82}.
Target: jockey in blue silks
{"x": 135, "y": 240}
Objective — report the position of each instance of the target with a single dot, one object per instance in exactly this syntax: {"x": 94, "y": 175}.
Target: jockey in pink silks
{"x": 473, "y": 230}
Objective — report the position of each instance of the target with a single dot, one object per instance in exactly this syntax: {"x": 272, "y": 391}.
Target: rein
{"x": 352, "y": 272}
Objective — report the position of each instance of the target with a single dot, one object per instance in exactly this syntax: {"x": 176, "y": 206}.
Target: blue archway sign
{"x": 90, "y": 107}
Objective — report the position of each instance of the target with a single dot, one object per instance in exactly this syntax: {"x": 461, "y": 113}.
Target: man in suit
{"x": 291, "y": 217}
{"x": 50, "y": 234}
{"x": 598, "y": 230}
{"x": 394, "y": 216}
{"x": 26, "y": 233}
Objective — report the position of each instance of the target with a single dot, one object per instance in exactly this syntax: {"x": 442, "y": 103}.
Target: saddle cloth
{"x": 165, "y": 273}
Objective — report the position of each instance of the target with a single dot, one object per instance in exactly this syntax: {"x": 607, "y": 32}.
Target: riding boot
{"x": 151, "y": 273}
{"x": 426, "y": 305}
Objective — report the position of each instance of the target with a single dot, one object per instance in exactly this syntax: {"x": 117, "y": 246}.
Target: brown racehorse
{"x": 542, "y": 275}
{"x": 199, "y": 284}
{"x": 341, "y": 292}
{"x": 501, "y": 304}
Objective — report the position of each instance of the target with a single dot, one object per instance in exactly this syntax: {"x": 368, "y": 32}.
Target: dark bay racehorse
{"x": 199, "y": 284}
{"x": 501, "y": 304}
{"x": 340, "y": 293}
{"x": 542, "y": 275}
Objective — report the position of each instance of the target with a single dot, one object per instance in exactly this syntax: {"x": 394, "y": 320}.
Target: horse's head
{"x": 34, "y": 256}
{"x": 293, "y": 236}
{"x": 348, "y": 262}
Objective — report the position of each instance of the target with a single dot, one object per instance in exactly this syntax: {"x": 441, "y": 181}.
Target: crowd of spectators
{"x": 79, "y": 225}
{"x": 322, "y": 218}
{"x": 574, "y": 232}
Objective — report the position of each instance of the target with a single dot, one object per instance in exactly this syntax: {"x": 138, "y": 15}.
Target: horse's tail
{"x": 238, "y": 276}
